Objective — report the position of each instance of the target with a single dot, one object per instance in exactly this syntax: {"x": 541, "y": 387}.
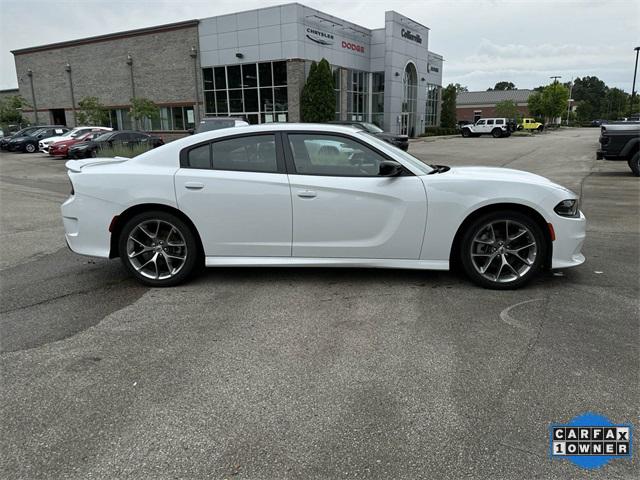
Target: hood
{"x": 506, "y": 175}
{"x": 392, "y": 136}
{"x": 21, "y": 138}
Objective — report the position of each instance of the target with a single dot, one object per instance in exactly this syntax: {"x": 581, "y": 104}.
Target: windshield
{"x": 102, "y": 137}
{"x": 78, "y": 133}
{"x": 371, "y": 128}
{"x": 406, "y": 157}
{"x": 35, "y": 132}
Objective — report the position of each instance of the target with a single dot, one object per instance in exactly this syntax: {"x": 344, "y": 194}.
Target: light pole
{"x": 73, "y": 100}
{"x": 555, "y": 78}
{"x": 133, "y": 86}
{"x": 633, "y": 88}
{"x": 194, "y": 54}
{"x": 569, "y": 101}
{"x": 33, "y": 94}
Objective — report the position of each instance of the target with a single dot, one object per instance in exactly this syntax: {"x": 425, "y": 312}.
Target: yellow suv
{"x": 531, "y": 124}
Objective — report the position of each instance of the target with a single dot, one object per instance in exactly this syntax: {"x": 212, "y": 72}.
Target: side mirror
{"x": 389, "y": 168}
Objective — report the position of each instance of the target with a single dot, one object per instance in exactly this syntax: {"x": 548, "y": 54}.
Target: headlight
{"x": 567, "y": 208}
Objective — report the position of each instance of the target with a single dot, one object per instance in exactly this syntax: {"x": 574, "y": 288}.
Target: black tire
{"x": 30, "y": 148}
{"x": 541, "y": 128}
{"x": 634, "y": 164}
{"x": 497, "y": 218}
{"x": 93, "y": 153}
{"x": 466, "y": 133}
{"x": 496, "y": 132}
{"x": 191, "y": 251}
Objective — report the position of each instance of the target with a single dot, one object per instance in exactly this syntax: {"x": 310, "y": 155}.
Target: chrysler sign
{"x": 318, "y": 36}
{"x": 414, "y": 37}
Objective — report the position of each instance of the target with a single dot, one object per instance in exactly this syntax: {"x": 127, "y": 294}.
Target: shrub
{"x": 436, "y": 131}
{"x": 120, "y": 150}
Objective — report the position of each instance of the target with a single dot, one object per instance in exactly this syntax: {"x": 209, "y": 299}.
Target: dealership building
{"x": 251, "y": 64}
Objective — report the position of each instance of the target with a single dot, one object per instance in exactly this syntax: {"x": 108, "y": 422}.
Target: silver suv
{"x": 498, "y": 127}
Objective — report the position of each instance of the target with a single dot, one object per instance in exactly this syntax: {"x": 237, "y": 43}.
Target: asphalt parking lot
{"x": 316, "y": 373}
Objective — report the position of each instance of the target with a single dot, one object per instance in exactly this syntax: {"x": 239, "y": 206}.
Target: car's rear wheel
{"x": 29, "y": 148}
{"x": 466, "y": 133}
{"x": 634, "y": 164}
{"x": 93, "y": 153}
{"x": 496, "y": 132}
{"x": 502, "y": 250}
{"x": 158, "y": 248}
{"x": 540, "y": 128}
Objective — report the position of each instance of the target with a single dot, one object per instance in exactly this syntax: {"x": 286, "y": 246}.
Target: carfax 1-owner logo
{"x": 590, "y": 441}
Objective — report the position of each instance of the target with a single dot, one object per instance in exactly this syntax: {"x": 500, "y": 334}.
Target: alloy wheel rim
{"x": 503, "y": 251}
{"x": 156, "y": 249}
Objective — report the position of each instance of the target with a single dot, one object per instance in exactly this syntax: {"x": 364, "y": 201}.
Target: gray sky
{"x": 482, "y": 41}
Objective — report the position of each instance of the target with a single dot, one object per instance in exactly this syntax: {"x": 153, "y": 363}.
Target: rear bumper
{"x": 570, "y": 236}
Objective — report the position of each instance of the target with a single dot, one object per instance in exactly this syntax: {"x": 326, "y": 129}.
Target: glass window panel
{"x": 178, "y": 121}
{"x": 317, "y": 154}
{"x": 266, "y": 99}
{"x": 280, "y": 98}
{"x": 265, "y": 74}
{"x": 221, "y": 102}
{"x": 221, "y": 82}
{"x": 249, "y": 76}
{"x": 253, "y": 118}
{"x": 207, "y": 76}
{"x": 233, "y": 75}
{"x": 247, "y": 154}
{"x": 251, "y": 100}
{"x": 200, "y": 157}
{"x": 235, "y": 101}
{"x": 279, "y": 73}
{"x": 189, "y": 117}
{"x": 210, "y": 102}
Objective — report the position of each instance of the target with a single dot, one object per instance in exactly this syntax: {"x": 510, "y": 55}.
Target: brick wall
{"x": 162, "y": 67}
{"x": 467, "y": 113}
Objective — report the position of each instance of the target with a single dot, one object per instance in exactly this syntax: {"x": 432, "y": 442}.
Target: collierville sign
{"x": 318, "y": 36}
{"x": 414, "y": 37}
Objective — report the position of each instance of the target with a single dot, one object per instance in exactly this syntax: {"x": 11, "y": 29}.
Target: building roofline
{"x": 7, "y": 90}
{"x": 109, "y": 36}
{"x": 410, "y": 19}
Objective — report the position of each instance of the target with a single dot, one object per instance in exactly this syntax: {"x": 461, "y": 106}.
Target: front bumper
{"x": 43, "y": 147}
{"x": 570, "y": 236}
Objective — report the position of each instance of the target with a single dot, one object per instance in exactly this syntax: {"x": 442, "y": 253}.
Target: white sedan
{"x": 45, "y": 143}
{"x": 315, "y": 195}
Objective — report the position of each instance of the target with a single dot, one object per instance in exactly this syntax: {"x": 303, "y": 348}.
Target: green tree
{"x": 11, "y": 110}
{"x": 318, "y": 100}
{"x": 142, "y": 108}
{"x": 506, "y": 108}
{"x": 92, "y": 112}
{"x": 591, "y": 90}
{"x": 584, "y": 111}
{"x": 550, "y": 103}
{"x": 503, "y": 86}
{"x": 616, "y": 104}
{"x": 448, "y": 115}
{"x": 460, "y": 88}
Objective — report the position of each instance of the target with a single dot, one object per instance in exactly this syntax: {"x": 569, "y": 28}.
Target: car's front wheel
{"x": 29, "y": 148}
{"x": 502, "y": 250}
{"x": 158, "y": 248}
{"x": 634, "y": 164}
{"x": 466, "y": 133}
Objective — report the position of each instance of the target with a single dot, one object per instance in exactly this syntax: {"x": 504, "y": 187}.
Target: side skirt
{"x": 326, "y": 262}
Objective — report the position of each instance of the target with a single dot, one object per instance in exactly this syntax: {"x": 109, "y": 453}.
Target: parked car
{"x": 117, "y": 138}
{"x": 43, "y": 145}
{"x": 215, "y": 123}
{"x": 61, "y": 147}
{"x": 4, "y": 142}
{"x": 397, "y": 140}
{"x": 531, "y": 124}
{"x": 620, "y": 142}
{"x": 29, "y": 142}
{"x": 315, "y": 195}
{"x": 498, "y": 127}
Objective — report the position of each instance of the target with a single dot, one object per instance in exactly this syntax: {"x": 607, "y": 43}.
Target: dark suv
{"x": 125, "y": 138}
{"x": 397, "y": 140}
{"x": 621, "y": 141}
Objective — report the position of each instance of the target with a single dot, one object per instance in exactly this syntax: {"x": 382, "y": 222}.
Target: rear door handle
{"x": 194, "y": 185}
{"x": 307, "y": 194}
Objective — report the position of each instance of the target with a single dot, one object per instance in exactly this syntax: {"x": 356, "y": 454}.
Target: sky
{"x": 482, "y": 41}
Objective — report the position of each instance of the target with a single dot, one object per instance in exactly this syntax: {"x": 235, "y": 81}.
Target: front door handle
{"x": 307, "y": 194}
{"x": 194, "y": 185}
